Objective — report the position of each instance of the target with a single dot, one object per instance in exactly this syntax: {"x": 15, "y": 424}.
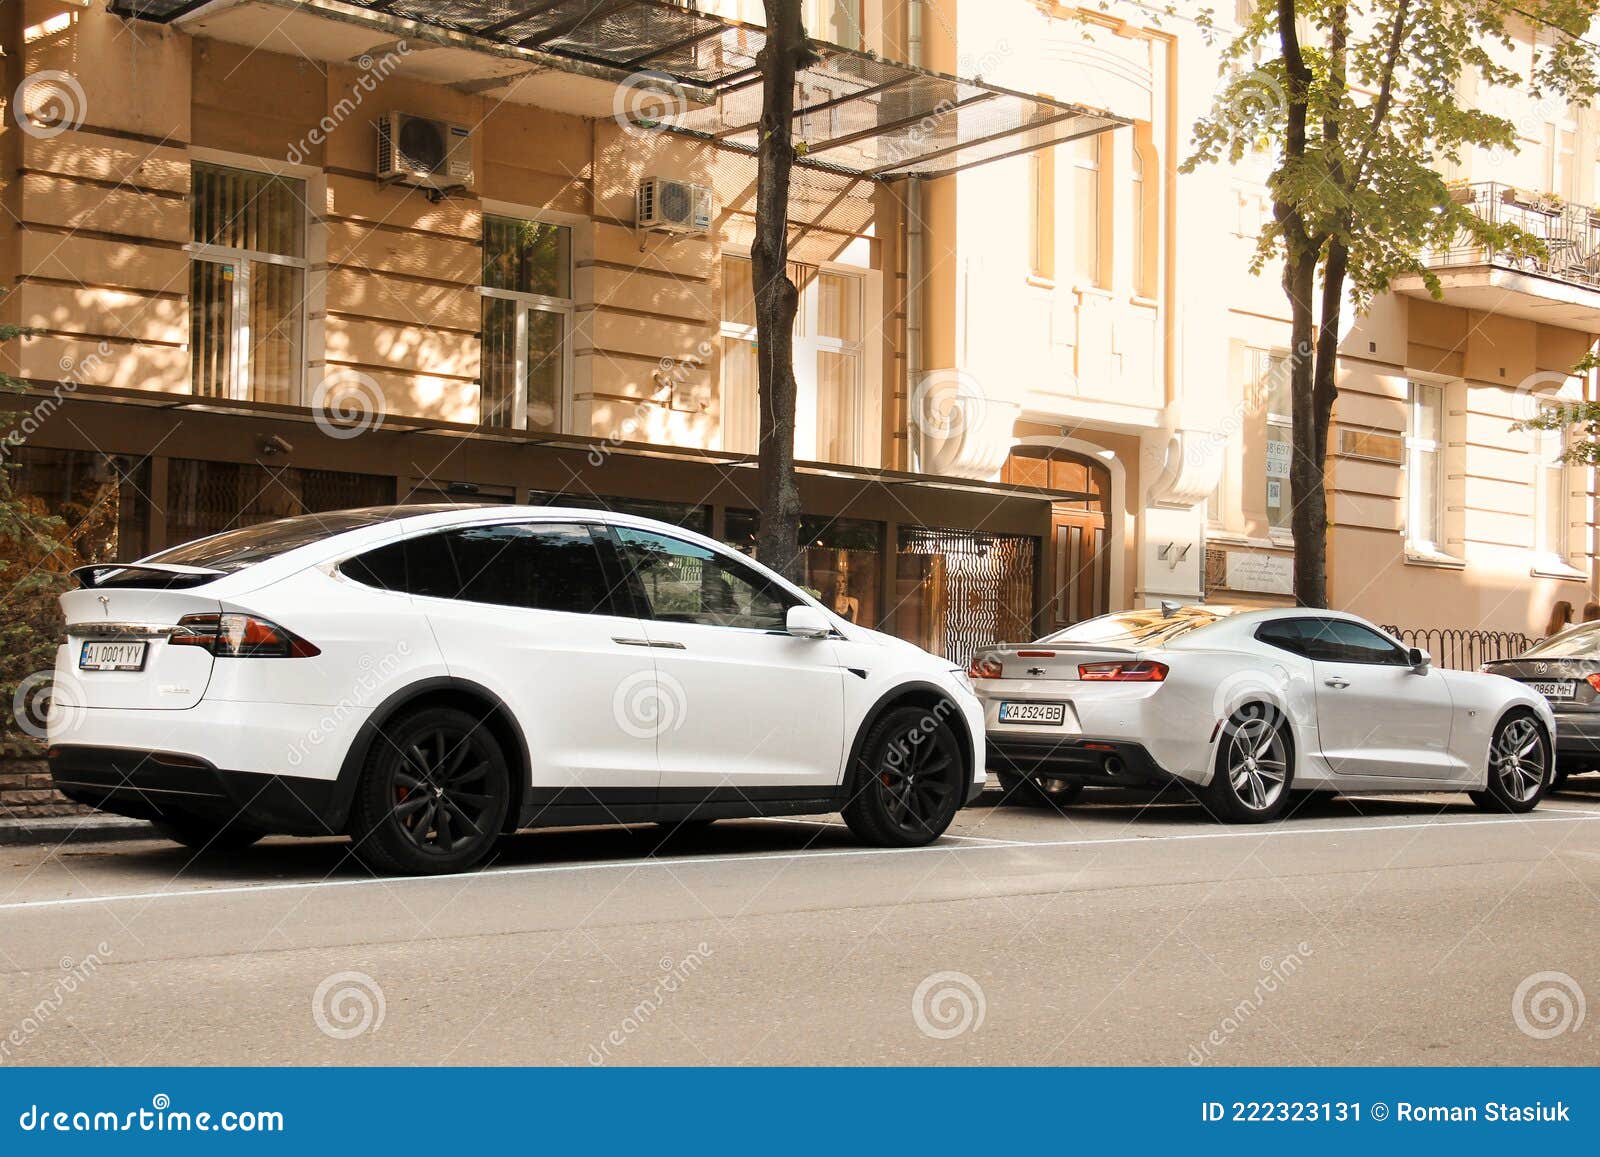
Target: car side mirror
{"x": 1419, "y": 659}
{"x": 806, "y": 622}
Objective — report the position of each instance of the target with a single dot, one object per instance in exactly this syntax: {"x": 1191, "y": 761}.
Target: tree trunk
{"x": 1309, "y": 516}
{"x": 776, "y": 295}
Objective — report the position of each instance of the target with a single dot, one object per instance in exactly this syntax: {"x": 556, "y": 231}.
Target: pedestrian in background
{"x": 1560, "y": 618}
{"x": 1591, "y": 611}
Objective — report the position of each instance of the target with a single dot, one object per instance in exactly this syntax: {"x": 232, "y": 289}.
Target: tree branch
{"x": 1380, "y": 107}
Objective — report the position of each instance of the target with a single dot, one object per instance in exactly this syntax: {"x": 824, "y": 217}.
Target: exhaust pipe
{"x": 1113, "y": 765}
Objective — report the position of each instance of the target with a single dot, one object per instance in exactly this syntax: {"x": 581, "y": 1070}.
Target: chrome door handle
{"x": 1336, "y": 682}
{"x": 659, "y": 643}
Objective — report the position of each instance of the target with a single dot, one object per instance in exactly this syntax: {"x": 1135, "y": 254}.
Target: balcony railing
{"x": 1570, "y": 233}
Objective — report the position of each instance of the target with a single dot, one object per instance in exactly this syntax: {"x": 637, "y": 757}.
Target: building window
{"x": 827, "y": 362}
{"x": 829, "y": 337}
{"x": 527, "y": 320}
{"x": 1271, "y": 387}
{"x": 1550, "y": 494}
{"x": 247, "y": 284}
{"x": 1142, "y": 203}
{"x": 206, "y": 498}
{"x": 1425, "y": 466}
{"x": 1042, "y": 214}
{"x": 1087, "y": 227}
{"x": 830, "y": 21}
{"x": 841, "y": 559}
{"x": 741, "y": 423}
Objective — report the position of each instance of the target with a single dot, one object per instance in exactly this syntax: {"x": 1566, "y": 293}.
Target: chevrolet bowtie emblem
{"x": 1036, "y": 670}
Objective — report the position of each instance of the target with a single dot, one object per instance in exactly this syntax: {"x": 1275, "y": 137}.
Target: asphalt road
{"x": 1412, "y": 930}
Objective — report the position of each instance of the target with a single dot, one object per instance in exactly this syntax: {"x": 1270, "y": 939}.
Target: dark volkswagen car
{"x": 1565, "y": 669}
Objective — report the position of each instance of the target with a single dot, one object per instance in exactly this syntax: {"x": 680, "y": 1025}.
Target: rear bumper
{"x": 1110, "y": 762}
{"x": 1578, "y": 734}
{"x": 159, "y": 785}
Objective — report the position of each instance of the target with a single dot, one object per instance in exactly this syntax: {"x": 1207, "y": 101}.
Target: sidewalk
{"x": 72, "y": 830}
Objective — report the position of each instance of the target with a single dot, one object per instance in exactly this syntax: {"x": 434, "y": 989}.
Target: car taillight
{"x": 1593, "y": 681}
{"x": 1141, "y": 672}
{"x": 240, "y": 636}
{"x": 983, "y": 667}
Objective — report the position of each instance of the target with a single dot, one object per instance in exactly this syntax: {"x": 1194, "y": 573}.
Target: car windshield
{"x": 1578, "y": 643}
{"x": 233, "y": 550}
{"x": 1146, "y": 628}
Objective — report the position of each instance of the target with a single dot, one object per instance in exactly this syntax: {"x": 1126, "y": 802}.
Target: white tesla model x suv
{"x": 1242, "y": 707}
{"x": 424, "y": 678}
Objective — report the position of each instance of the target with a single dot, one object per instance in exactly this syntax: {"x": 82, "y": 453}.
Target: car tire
{"x": 1020, "y": 790}
{"x": 1255, "y": 767}
{"x": 433, "y": 795}
{"x": 1520, "y": 760}
{"x": 908, "y": 779}
{"x": 208, "y": 835}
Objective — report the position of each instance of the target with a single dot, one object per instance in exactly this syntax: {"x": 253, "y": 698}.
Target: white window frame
{"x": 1260, "y": 365}
{"x": 527, "y": 303}
{"x": 1548, "y": 446}
{"x": 807, "y": 343}
{"x": 1098, "y": 276}
{"x": 1416, "y": 445}
{"x": 240, "y": 259}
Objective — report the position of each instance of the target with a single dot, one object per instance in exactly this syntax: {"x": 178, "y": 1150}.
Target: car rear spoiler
{"x": 90, "y": 577}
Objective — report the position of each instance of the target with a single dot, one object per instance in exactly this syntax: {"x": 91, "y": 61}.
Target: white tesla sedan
{"x": 427, "y": 677}
{"x": 1244, "y": 706}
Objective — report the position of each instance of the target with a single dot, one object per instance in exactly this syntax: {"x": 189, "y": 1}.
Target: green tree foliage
{"x": 36, "y": 552}
{"x": 1357, "y": 103}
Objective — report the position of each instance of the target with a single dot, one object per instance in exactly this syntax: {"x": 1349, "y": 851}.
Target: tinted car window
{"x": 1284, "y": 634}
{"x": 1341, "y": 641}
{"x": 543, "y": 566}
{"x": 685, "y": 583}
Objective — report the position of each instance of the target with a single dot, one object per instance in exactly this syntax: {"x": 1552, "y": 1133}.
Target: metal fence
{"x": 1463, "y": 649}
{"x": 1570, "y": 233}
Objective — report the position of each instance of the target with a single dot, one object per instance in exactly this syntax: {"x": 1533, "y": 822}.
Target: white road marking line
{"x": 759, "y": 857}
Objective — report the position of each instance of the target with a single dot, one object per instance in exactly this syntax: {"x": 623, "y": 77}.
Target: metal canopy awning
{"x": 855, "y": 113}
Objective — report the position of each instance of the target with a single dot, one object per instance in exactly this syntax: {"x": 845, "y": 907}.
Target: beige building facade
{"x": 1035, "y": 372}
{"x": 1102, "y": 303}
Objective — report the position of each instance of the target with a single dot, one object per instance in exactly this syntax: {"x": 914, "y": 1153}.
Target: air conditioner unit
{"x": 667, "y": 206}
{"x": 424, "y": 153}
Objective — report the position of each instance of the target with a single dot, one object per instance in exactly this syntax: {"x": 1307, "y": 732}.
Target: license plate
{"x": 1556, "y": 689}
{"x": 1047, "y": 714}
{"x": 112, "y": 657}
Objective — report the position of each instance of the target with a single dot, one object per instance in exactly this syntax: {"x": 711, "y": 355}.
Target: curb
{"x": 72, "y": 830}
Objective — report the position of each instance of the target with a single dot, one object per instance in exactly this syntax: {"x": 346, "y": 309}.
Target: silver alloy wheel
{"x": 1258, "y": 762}
{"x": 1518, "y": 759}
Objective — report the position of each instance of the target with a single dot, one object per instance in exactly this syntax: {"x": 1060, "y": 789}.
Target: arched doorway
{"x": 1080, "y": 560}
